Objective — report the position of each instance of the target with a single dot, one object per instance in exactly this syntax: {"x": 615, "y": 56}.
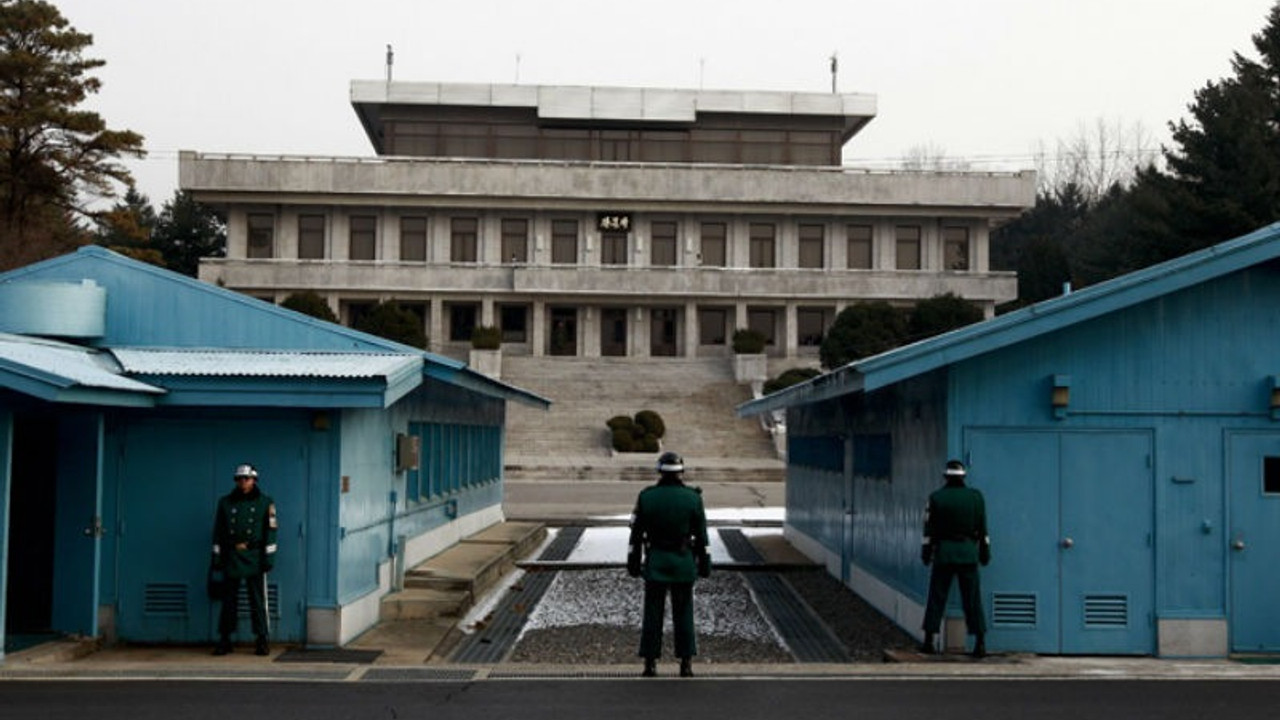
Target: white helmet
{"x": 245, "y": 470}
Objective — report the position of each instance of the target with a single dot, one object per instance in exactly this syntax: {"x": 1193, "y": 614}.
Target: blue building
{"x": 1126, "y": 436}
{"x": 129, "y": 393}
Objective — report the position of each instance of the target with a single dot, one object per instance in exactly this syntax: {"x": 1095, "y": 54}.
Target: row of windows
{"x": 730, "y": 146}
{"x": 714, "y": 323}
{"x": 713, "y": 239}
{"x": 453, "y": 458}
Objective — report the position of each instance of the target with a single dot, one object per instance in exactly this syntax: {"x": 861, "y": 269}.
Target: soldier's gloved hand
{"x": 704, "y": 565}
{"x": 984, "y": 553}
{"x": 633, "y": 563}
{"x": 926, "y": 554}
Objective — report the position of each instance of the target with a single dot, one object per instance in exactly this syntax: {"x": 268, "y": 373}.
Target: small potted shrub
{"x": 750, "y": 364}
{"x": 486, "y": 350}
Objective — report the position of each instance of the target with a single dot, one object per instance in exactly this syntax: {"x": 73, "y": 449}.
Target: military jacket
{"x": 955, "y": 524}
{"x": 671, "y": 524}
{"x": 244, "y": 533}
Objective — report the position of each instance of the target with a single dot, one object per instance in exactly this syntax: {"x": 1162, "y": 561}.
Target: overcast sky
{"x": 988, "y": 81}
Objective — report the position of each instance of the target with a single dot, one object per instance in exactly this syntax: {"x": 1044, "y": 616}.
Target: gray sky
{"x": 988, "y": 81}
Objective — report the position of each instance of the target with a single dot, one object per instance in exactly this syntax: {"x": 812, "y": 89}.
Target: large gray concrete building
{"x": 605, "y": 221}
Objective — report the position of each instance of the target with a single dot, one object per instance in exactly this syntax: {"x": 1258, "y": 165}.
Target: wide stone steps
{"x": 449, "y": 583}
{"x": 695, "y": 397}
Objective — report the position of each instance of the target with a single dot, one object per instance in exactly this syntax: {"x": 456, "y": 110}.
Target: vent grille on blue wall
{"x": 1013, "y": 610}
{"x": 273, "y": 601}
{"x": 169, "y": 599}
{"x": 1106, "y": 611}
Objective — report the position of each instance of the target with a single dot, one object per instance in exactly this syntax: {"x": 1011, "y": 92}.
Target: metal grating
{"x": 1106, "y": 611}
{"x": 805, "y": 635}
{"x": 496, "y": 640}
{"x": 1013, "y": 610}
{"x": 167, "y": 599}
{"x": 412, "y": 674}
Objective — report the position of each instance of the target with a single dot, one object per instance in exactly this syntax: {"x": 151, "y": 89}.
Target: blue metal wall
{"x": 1160, "y": 395}
{"x": 460, "y": 473}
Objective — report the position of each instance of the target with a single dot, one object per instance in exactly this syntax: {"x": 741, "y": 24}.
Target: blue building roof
{"x": 163, "y": 325}
{"x": 909, "y": 361}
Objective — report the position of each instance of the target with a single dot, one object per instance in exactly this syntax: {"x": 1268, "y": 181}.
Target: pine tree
{"x": 53, "y": 156}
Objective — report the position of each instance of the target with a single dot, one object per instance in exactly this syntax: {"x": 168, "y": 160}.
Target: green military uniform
{"x": 669, "y": 526}
{"x": 956, "y": 542}
{"x": 244, "y": 548}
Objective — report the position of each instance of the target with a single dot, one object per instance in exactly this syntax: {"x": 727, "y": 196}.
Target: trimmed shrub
{"x": 794, "y": 376}
{"x": 648, "y": 443}
{"x": 309, "y": 302}
{"x": 623, "y": 440}
{"x": 748, "y": 342}
{"x": 486, "y": 337}
{"x": 651, "y": 422}
{"x": 619, "y": 421}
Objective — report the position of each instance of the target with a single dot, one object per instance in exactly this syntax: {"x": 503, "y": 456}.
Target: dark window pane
{"x": 859, "y": 237}
{"x": 713, "y": 244}
{"x": 811, "y": 246}
{"x": 514, "y": 321}
{"x": 663, "y": 242}
{"x": 908, "y": 247}
{"x": 515, "y": 240}
{"x": 413, "y": 239}
{"x": 712, "y": 323}
{"x": 762, "y": 240}
{"x": 613, "y": 248}
{"x": 262, "y": 231}
{"x": 564, "y": 242}
{"x": 462, "y": 320}
{"x": 310, "y": 237}
{"x": 363, "y": 237}
{"x": 955, "y": 248}
{"x": 463, "y": 240}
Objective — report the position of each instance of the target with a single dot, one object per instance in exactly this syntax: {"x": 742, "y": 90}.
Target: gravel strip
{"x": 730, "y": 626}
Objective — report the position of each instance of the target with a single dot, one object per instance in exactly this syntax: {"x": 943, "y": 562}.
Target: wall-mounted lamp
{"x": 1061, "y": 396}
{"x": 1275, "y": 397}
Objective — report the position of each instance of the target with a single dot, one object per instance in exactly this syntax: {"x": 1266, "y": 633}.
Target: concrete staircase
{"x": 695, "y": 397}
{"x": 448, "y": 584}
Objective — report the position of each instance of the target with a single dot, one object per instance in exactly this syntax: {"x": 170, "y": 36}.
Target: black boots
{"x": 979, "y": 648}
{"x": 223, "y": 647}
{"x": 261, "y": 647}
{"x": 651, "y": 667}
{"x": 926, "y": 645}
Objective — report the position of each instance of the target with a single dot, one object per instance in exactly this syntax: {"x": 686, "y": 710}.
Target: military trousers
{"x": 655, "y": 595}
{"x": 255, "y": 591}
{"x": 970, "y": 596}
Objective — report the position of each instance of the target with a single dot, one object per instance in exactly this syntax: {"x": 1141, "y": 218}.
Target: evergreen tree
{"x": 126, "y": 228}
{"x": 389, "y": 320}
{"x": 861, "y": 330}
{"x": 52, "y": 155}
{"x": 309, "y": 302}
{"x": 187, "y": 231}
{"x": 939, "y": 314}
{"x": 1224, "y": 166}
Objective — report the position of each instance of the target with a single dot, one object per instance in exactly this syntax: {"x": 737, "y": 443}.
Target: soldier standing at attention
{"x": 244, "y": 548}
{"x": 669, "y": 531}
{"x": 956, "y": 542}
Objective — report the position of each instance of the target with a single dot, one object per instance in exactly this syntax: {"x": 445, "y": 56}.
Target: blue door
{"x": 170, "y": 478}
{"x": 1070, "y": 516}
{"x": 1253, "y": 466}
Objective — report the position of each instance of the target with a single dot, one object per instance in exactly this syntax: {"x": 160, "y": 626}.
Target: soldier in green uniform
{"x": 244, "y": 549}
{"x": 669, "y": 549}
{"x": 956, "y": 542}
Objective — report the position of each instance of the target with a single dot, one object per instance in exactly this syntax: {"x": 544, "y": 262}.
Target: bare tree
{"x": 1096, "y": 157}
{"x": 931, "y": 157}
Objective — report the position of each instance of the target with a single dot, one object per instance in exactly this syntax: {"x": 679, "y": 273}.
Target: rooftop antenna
{"x": 517, "y": 68}
{"x": 702, "y": 70}
{"x": 390, "y": 60}
{"x": 835, "y": 71}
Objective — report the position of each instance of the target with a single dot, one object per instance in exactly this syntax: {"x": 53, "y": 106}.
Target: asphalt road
{"x": 745, "y": 699}
{"x": 574, "y": 501}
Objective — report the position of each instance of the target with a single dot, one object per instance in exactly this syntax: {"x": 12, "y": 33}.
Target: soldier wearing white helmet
{"x": 244, "y": 549}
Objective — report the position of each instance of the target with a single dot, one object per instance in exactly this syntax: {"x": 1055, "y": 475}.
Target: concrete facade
{"x": 543, "y": 211}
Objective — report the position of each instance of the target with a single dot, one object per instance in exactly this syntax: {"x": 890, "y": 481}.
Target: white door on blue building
{"x": 1070, "y": 516}
{"x": 1253, "y": 539}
